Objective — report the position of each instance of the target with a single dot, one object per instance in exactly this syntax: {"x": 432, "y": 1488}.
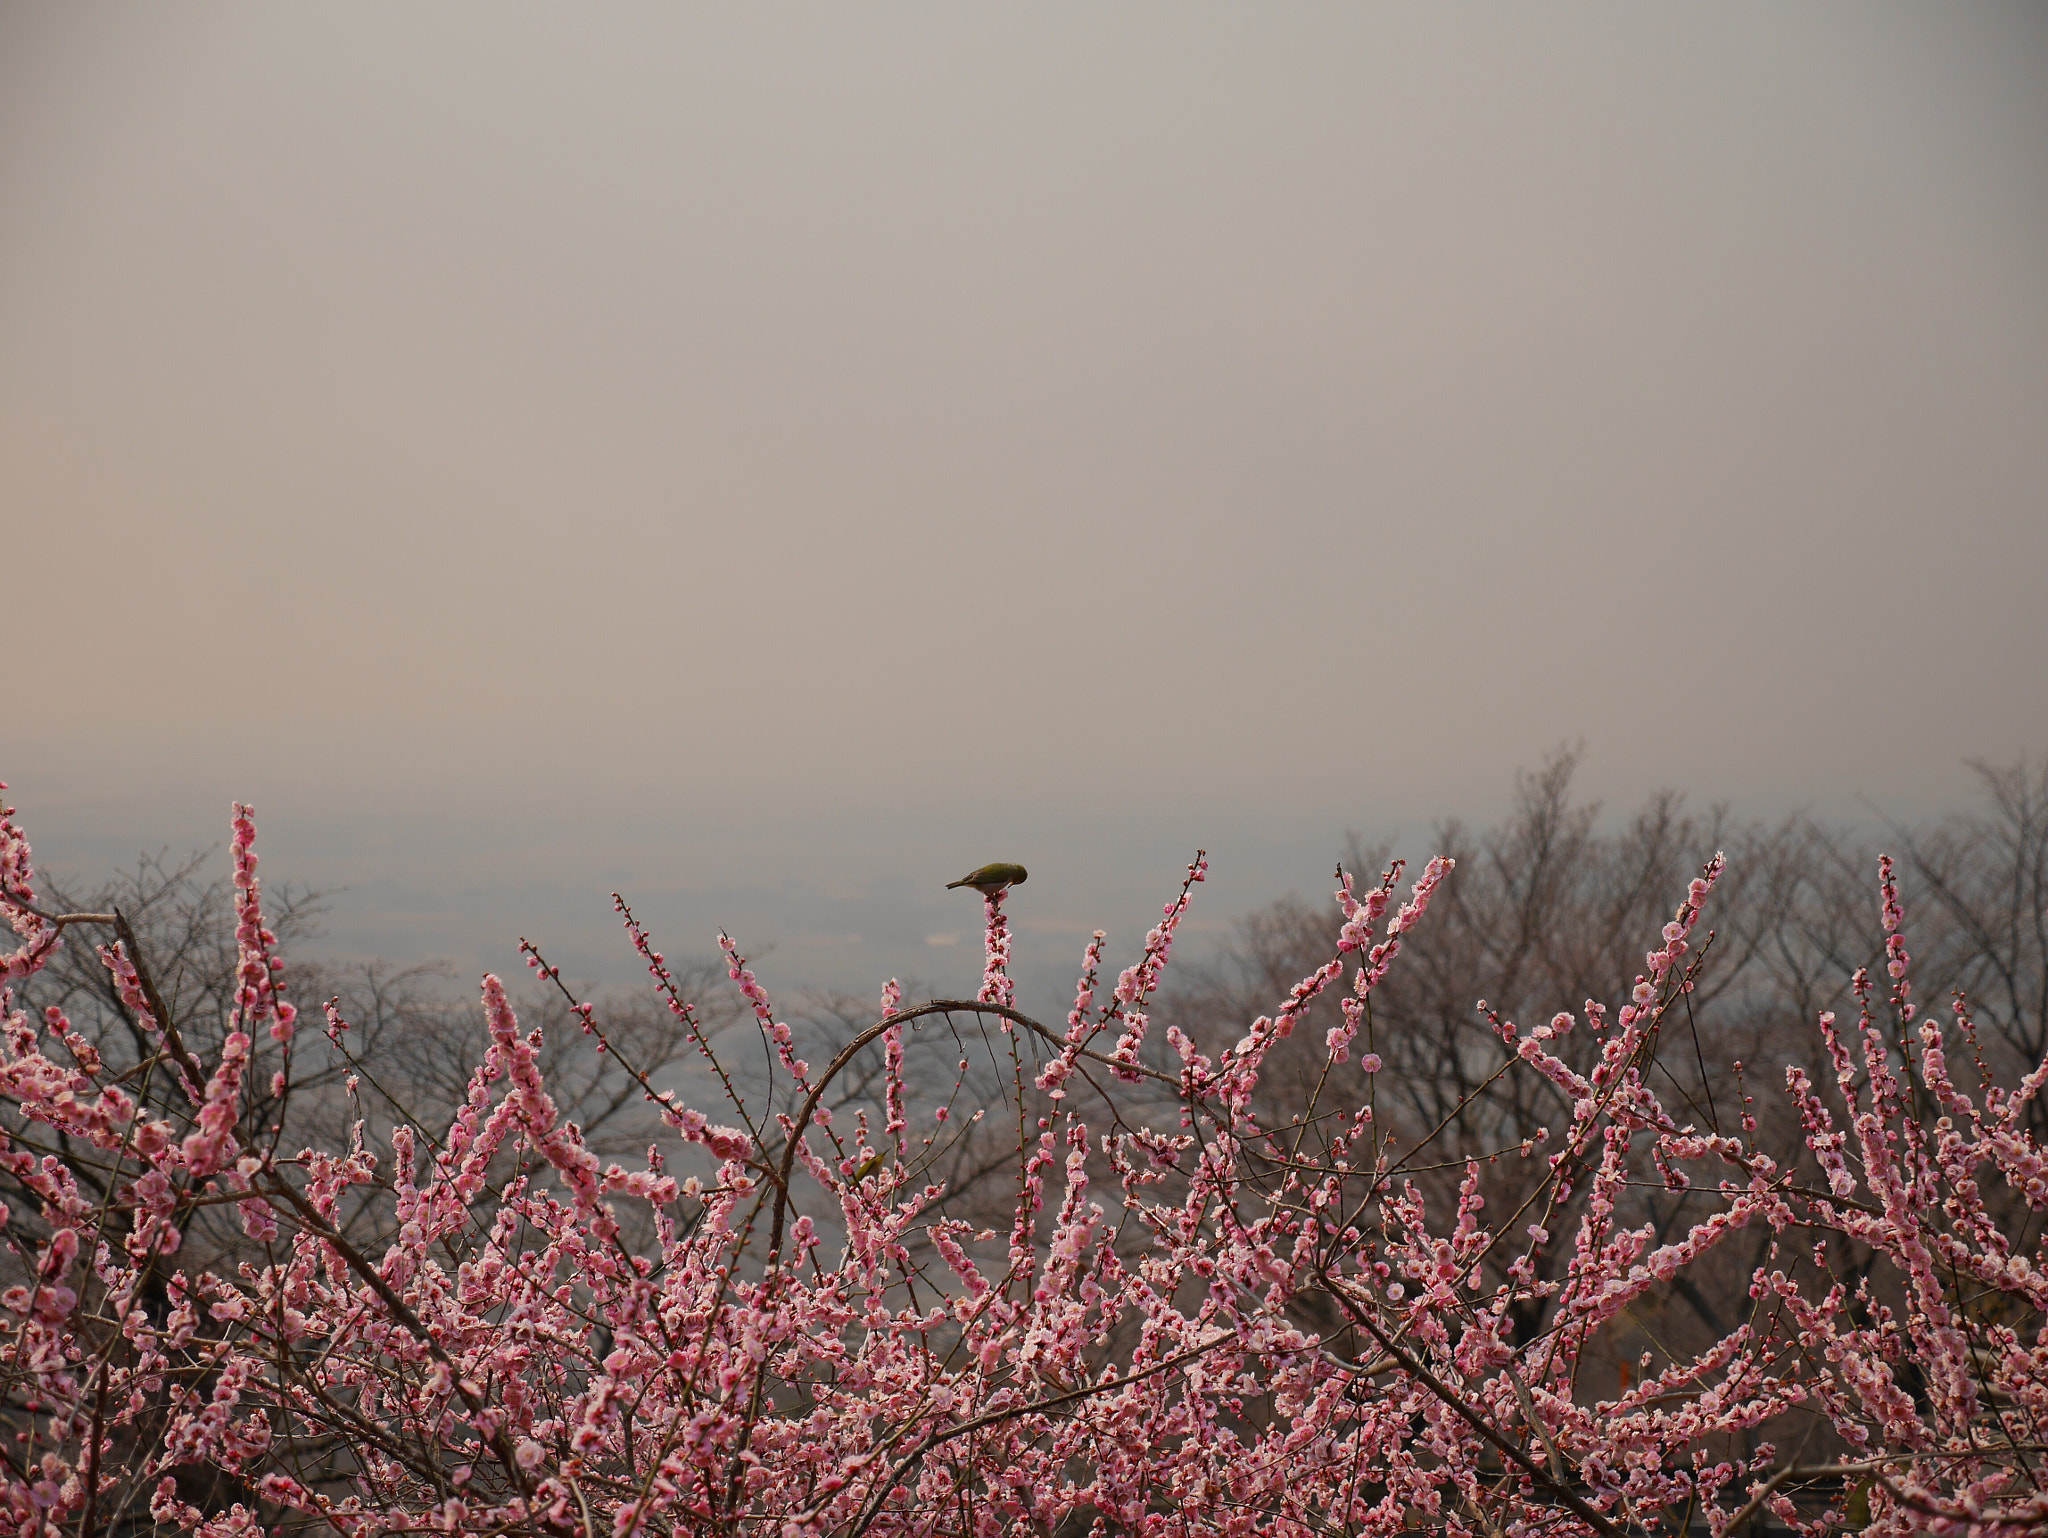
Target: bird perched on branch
{"x": 991, "y": 879}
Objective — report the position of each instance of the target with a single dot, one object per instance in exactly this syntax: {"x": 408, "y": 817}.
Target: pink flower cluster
{"x": 38, "y": 932}
{"x": 1249, "y": 1320}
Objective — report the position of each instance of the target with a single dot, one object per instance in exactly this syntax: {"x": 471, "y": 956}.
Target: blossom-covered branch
{"x": 1210, "y": 1309}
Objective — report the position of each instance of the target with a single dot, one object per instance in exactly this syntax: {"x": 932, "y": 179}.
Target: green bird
{"x": 991, "y": 879}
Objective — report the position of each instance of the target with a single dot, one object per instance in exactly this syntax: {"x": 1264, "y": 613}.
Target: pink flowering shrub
{"x": 1198, "y": 1317}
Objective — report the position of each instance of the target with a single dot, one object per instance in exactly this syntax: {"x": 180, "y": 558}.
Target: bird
{"x": 990, "y": 880}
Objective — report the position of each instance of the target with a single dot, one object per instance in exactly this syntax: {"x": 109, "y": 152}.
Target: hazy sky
{"x": 771, "y": 459}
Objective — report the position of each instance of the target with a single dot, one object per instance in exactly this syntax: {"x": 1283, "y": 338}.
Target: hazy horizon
{"x": 770, "y": 461}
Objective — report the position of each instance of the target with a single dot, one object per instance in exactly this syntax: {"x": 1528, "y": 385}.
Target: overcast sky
{"x": 771, "y": 459}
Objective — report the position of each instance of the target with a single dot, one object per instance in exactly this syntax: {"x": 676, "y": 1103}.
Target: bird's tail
{"x": 951, "y": 884}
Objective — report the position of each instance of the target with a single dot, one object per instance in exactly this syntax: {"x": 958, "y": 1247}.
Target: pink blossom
{"x": 1205, "y": 1309}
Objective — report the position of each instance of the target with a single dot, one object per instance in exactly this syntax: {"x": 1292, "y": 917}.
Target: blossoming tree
{"x": 1206, "y": 1318}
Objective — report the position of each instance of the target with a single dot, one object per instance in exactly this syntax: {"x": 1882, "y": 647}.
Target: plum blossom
{"x": 1202, "y": 1311}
